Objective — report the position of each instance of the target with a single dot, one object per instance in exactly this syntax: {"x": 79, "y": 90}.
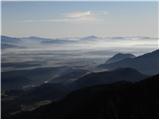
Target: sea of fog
{"x": 85, "y": 55}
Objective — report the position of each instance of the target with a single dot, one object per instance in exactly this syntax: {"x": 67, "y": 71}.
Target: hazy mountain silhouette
{"x": 32, "y": 41}
{"x": 6, "y": 39}
{"x": 20, "y": 79}
{"x": 131, "y": 38}
{"x": 118, "y": 100}
{"x": 91, "y": 37}
{"x": 147, "y": 63}
{"x": 107, "y": 77}
{"x": 119, "y": 57}
{"x": 50, "y": 41}
{"x": 10, "y": 42}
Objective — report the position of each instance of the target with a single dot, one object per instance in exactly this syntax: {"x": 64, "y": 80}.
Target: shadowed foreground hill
{"x": 108, "y": 77}
{"x": 57, "y": 91}
{"x": 119, "y": 100}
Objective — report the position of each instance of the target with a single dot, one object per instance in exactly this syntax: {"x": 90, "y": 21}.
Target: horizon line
{"x": 45, "y": 37}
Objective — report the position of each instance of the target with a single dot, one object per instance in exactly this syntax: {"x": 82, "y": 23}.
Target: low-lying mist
{"x": 83, "y": 52}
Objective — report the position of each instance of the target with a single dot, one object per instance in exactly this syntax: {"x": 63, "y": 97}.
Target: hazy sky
{"x": 70, "y": 19}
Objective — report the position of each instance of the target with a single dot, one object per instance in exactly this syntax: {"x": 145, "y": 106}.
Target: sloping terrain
{"x": 147, "y": 63}
{"x": 108, "y": 77}
{"x": 119, "y": 57}
{"x": 119, "y": 100}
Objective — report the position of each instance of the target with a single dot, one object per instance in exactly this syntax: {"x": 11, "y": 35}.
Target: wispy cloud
{"x": 61, "y": 20}
{"x": 80, "y": 14}
{"x": 46, "y": 20}
{"x": 76, "y": 16}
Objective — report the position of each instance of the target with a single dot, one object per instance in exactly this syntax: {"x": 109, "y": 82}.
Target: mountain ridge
{"x": 108, "y": 77}
{"x": 118, "y": 57}
{"x": 147, "y": 63}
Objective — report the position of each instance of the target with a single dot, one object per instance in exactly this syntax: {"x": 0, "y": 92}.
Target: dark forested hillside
{"x": 118, "y": 100}
{"x": 108, "y": 77}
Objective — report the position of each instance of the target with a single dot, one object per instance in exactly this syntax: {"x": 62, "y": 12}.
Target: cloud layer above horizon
{"x": 74, "y": 16}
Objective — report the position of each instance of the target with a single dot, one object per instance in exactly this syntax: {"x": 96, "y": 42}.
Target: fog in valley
{"x": 87, "y": 52}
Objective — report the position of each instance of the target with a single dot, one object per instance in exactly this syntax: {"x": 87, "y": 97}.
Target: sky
{"x": 74, "y": 19}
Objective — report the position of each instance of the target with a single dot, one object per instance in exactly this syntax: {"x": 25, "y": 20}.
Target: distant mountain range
{"x": 92, "y": 37}
{"x": 5, "y": 39}
{"x": 147, "y": 63}
{"x": 13, "y": 42}
{"x": 131, "y": 38}
{"x": 49, "y": 40}
{"x": 10, "y": 42}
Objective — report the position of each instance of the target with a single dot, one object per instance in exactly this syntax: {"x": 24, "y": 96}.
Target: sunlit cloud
{"x": 80, "y": 14}
{"x": 76, "y": 16}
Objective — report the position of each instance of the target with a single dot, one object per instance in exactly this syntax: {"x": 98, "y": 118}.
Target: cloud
{"x": 46, "y": 20}
{"x": 80, "y": 14}
{"x": 76, "y": 16}
{"x": 61, "y": 20}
